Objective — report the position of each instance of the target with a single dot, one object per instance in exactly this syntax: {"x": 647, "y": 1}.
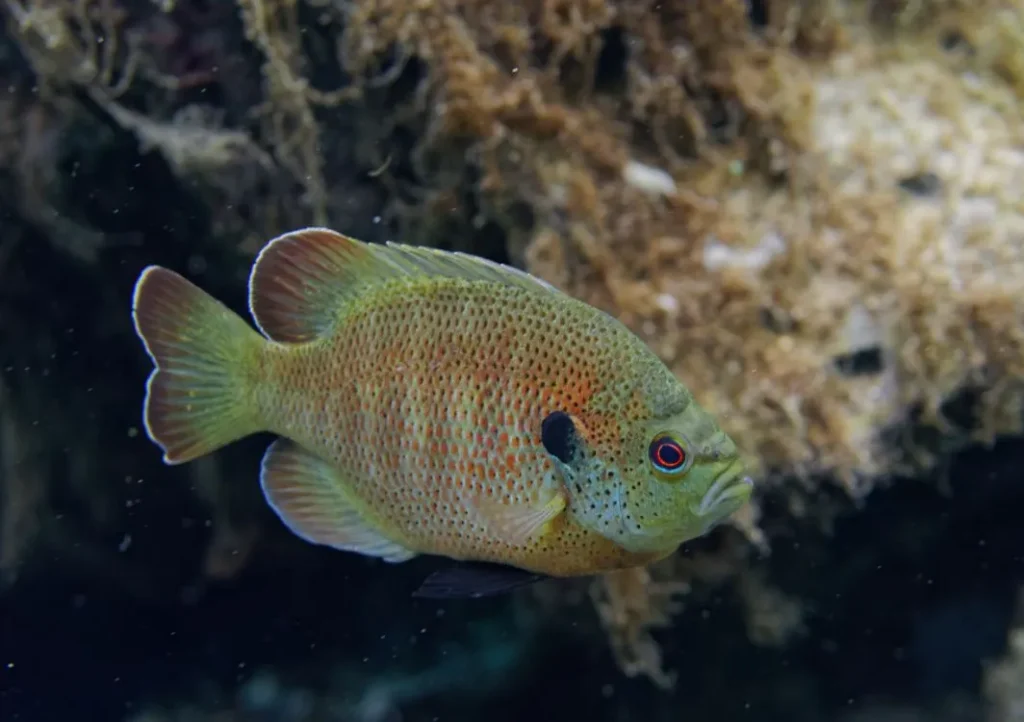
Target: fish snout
{"x": 731, "y": 490}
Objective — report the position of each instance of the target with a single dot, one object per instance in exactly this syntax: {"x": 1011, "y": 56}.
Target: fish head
{"x": 655, "y": 477}
{"x": 682, "y": 477}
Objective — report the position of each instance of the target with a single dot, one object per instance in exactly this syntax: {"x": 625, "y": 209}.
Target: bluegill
{"x": 429, "y": 402}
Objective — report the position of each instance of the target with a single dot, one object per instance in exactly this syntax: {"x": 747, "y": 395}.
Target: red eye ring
{"x": 667, "y": 455}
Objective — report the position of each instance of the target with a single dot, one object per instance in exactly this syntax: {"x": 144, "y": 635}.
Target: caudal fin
{"x": 198, "y": 397}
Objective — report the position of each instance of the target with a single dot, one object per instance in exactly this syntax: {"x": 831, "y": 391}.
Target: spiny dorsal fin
{"x": 302, "y": 279}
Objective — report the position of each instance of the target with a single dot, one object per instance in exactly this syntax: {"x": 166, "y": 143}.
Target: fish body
{"x": 429, "y": 402}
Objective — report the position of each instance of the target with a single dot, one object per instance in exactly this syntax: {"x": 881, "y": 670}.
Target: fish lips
{"x": 729, "y": 493}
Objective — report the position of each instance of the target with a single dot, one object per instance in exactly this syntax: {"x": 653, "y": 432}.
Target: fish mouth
{"x": 729, "y": 492}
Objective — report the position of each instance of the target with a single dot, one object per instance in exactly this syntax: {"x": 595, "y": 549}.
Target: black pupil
{"x": 669, "y": 454}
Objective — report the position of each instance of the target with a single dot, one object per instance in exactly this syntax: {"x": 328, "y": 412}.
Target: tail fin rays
{"x": 198, "y": 398}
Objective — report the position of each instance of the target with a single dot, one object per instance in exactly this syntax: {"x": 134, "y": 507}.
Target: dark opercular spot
{"x": 865, "y": 362}
{"x": 558, "y": 434}
{"x": 921, "y": 184}
{"x": 610, "y": 70}
{"x": 757, "y": 13}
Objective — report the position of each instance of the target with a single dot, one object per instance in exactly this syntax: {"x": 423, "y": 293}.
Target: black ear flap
{"x": 558, "y": 434}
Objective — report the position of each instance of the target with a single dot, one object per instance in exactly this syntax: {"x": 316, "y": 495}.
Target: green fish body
{"x": 429, "y": 402}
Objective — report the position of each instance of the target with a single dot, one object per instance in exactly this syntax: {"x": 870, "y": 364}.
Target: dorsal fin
{"x": 302, "y": 279}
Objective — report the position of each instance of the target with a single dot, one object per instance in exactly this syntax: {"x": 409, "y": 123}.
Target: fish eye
{"x": 668, "y": 456}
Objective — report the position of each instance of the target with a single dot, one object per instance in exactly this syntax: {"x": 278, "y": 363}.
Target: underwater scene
{"x": 512, "y": 360}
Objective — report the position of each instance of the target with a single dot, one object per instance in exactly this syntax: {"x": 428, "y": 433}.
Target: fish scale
{"x": 445, "y": 389}
{"x": 435, "y": 403}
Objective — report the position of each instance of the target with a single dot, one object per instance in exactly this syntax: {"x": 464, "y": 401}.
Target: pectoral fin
{"x": 518, "y": 523}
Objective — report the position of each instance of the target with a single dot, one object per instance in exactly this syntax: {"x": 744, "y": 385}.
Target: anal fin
{"x": 308, "y": 495}
{"x": 475, "y": 580}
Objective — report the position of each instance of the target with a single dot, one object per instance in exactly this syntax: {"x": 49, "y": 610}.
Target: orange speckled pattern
{"x": 412, "y": 389}
{"x": 427, "y": 398}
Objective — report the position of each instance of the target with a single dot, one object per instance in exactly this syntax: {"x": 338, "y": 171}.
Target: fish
{"x": 436, "y": 403}
{"x": 475, "y": 580}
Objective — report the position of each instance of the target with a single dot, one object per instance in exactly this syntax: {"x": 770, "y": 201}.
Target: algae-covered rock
{"x": 811, "y": 210}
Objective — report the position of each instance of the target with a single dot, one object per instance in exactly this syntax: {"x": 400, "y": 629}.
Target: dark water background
{"x": 907, "y": 600}
{"x": 904, "y": 603}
